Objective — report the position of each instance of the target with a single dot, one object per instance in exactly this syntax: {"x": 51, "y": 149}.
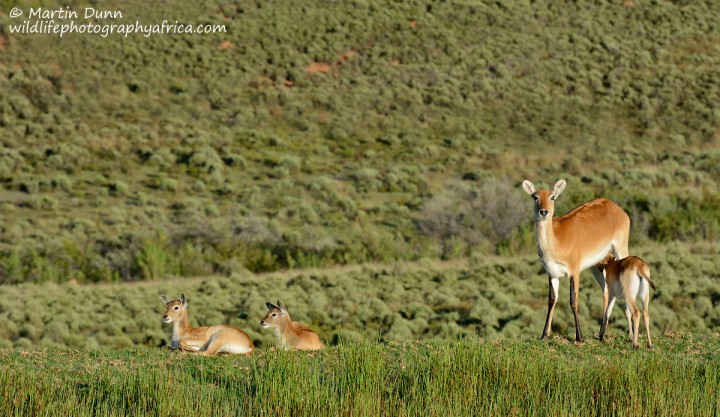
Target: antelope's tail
{"x": 644, "y": 273}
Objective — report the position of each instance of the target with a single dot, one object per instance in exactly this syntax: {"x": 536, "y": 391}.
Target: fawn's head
{"x": 544, "y": 199}
{"x": 275, "y": 315}
{"x": 609, "y": 258}
{"x": 176, "y": 309}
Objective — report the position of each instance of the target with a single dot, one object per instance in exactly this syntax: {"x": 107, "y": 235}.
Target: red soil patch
{"x": 346, "y": 55}
{"x": 324, "y": 68}
{"x": 413, "y": 23}
{"x": 629, "y": 3}
{"x": 318, "y": 67}
{"x": 226, "y": 45}
{"x": 261, "y": 82}
{"x": 2, "y": 43}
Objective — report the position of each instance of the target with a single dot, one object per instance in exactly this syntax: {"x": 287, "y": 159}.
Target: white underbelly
{"x": 595, "y": 258}
{"x": 555, "y": 269}
{"x": 232, "y": 348}
{"x": 559, "y": 270}
{"x": 195, "y": 345}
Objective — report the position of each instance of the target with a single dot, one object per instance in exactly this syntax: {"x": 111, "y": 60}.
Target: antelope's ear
{"x": 183, "y": 300}
{"x": 164, "y": 299}
{"x": 528, "y": 187}
{"x": 270, "y": 305}
{"x": 559, "y": 187}
{"x": 283, "y": 309}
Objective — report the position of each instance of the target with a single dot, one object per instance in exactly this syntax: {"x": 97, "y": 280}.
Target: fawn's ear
{"x": 528, "y": 187}
{"x": 283, "y": 309}
{"x": 184, "y": 302}
{"x": 609, "y": 258}
{"x": 164, "y": 299}
{"x": 270, "y": 305}
{"x": 559, "y": 187}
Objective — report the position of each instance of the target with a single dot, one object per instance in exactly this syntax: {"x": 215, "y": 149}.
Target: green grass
{"x": 516, "y": 377}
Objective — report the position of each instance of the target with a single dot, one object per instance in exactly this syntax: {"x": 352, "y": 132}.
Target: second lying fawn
{"x": 290, "y": 334}
{"x": 628, "y": 277}
{"x": 207, "y": 340}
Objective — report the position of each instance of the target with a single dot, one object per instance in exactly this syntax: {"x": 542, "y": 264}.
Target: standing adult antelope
{"x": 576, "y": 241}
{"x": 290, "y": 334}
{"x": 208, "y": 340}
{"x": 629, "y": 277}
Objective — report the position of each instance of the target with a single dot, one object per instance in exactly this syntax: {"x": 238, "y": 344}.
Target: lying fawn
{"x": 629, "y": 277}
{"x": 290, "y": 334}
{"x": 207, "y": 340}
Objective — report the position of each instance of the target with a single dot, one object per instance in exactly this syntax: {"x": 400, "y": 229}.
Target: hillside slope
{"x": 310, "y": 135}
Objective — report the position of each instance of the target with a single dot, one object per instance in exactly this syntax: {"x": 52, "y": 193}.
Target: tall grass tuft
{"x": 459, "y": 378}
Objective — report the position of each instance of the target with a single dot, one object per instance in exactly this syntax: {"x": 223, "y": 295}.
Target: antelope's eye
{"x": 176, "y": 308}
{"x": 535, "y": 197}
{"x": 552, "y": 197}
{"x": 274, "y": 314}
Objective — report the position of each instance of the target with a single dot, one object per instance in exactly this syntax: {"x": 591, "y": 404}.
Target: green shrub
{"x": 153, "y": 261}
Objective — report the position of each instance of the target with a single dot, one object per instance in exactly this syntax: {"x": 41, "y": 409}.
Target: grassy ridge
{"x": 514, "y": 377}
{"x": 141, "y": 158}
{"x": 493, "y": 297}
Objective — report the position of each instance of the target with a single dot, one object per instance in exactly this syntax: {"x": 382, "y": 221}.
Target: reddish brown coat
{"x": 576, "y": 241}
{"x": 628, "y": 278}
{"x": 290, "y": 334}
{"x": 206, "y": 340}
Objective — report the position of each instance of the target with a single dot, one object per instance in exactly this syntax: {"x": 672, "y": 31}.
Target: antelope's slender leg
{"x": 635, "y": 329}
{"x": 646, "y": 316}
{"x": 600, "y": 278}
{"x": 553, "y": 284}
{"x": 628, "y": 314}
{"x": 574, "y": 287}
